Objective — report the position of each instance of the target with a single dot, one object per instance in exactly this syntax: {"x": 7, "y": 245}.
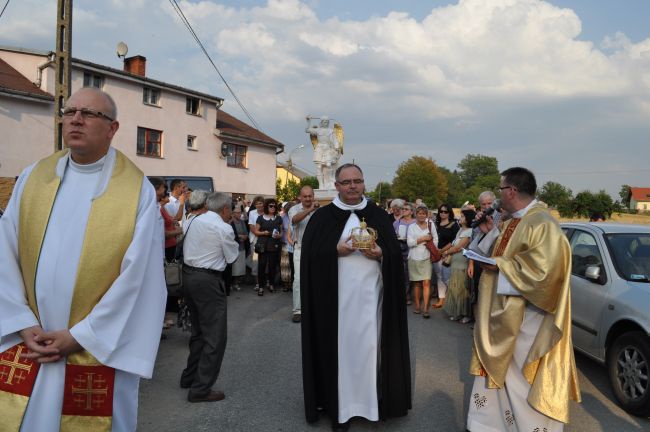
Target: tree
{"x": 381, "y": 193}
{"x": 288, "y": 192}
{"x": 456, "y": 191}
{"x": 555, "y": 195}
{"x": 479, "y": 169}
{"x": 309, "y": 181}
{"x": 420, "y": 177}
{"x": 625, "y": 195}
{"x": 585, "y": 203}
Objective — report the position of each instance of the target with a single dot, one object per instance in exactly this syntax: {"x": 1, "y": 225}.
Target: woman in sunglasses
{"x": 447, "y": 228}
{"x": 268, "y": 230}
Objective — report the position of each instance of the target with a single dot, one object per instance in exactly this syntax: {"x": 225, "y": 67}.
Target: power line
{"x": 187, "y": 24}
{"x": 3, "y": 8}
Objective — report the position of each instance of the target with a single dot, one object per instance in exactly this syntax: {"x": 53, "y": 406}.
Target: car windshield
{"x": 631, "y": 255}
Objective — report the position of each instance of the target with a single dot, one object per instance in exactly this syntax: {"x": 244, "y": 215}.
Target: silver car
{"x": 610, "y": 302}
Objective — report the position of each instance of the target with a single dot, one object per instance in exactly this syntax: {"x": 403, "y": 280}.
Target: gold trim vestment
{"x": 535, "y": 257}
{"x": 88, "y": 393}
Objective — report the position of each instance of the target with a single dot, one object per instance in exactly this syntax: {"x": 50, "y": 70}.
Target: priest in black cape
{"x": 355, "y": 347}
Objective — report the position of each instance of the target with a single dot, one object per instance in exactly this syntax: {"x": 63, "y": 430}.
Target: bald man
{"x": 82, "y": 289}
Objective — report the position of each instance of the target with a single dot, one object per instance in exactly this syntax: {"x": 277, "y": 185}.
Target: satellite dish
{"x": 122, "y": 49}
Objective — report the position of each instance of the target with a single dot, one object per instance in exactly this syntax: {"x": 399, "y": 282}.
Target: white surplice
{"x": 123, "y": 329}
{"x": 359, "y": 328}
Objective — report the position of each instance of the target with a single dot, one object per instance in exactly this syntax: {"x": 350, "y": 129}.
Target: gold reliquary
{"x": 362, "y": 236}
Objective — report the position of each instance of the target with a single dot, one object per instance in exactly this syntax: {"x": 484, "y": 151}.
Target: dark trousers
{"x": 264, "y": 259}
{"x": 206, "y": 299}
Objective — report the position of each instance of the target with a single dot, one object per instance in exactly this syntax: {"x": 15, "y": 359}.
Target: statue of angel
{"x": 328, "y": 147}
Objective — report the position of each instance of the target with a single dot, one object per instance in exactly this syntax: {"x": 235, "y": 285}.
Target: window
{"x": 193, "y": 106}
{"x": 93, "y": 80}
{"x": 149, "y": 142}
{"x": 585, "y": 253}
{"x": 236, "y": 156}
{"x": 151, "y": 96}
{"x": 191, "y": 143}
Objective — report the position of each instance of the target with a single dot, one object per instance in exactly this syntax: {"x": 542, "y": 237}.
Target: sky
{"x": 561, "y": 87}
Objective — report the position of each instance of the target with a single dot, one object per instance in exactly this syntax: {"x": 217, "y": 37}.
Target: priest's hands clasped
{"x": 48, "y": 347}
{"x": 345, "y": 248}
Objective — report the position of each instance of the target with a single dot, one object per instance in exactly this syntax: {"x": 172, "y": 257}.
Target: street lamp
{"x": 289, "y": 161}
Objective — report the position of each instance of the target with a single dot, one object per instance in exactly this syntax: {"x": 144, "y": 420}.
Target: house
{"x": 640, "y": 199}
{"x": 165, "y": 129}
{"x": 286, "y": 171}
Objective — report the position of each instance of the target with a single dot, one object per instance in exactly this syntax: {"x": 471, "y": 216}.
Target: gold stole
{"x": 88, "y": 393}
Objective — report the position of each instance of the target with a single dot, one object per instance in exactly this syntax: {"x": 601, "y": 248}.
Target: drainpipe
{"x": 39, "y": 72}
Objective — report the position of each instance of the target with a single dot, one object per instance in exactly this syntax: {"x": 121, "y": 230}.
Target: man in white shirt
{"x": 208, "y": 247}
{"x": 299, "y": 216}
{"x": 176, "y": 205}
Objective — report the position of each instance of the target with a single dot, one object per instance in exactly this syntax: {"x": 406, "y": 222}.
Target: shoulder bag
{"x": 434, "y": 253}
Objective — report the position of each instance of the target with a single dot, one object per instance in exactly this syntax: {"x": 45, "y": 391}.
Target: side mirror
{"x": 593, "y": 273}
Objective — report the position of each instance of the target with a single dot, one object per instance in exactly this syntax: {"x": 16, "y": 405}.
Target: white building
{"x": 165, "y": 129}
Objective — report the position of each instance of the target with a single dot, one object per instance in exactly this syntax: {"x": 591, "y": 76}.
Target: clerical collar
{"x": 521, "y": 213}
{"x": 88, "y": 168}
{"x": 343, "y": 206}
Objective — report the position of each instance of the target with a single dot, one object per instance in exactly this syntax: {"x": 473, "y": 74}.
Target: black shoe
{"x": 341, "y": 427}
{"x": 212, "y": 396}
{"x": 185, "y": 385}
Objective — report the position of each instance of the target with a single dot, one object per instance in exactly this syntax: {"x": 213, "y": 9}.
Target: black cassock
{"x": 319, "y": 306}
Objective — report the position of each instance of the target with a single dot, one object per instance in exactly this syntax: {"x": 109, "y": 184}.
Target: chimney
{"x": 135, "y": 65}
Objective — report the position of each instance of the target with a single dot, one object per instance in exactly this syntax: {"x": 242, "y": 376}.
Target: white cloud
{"x": 460, "y": 74}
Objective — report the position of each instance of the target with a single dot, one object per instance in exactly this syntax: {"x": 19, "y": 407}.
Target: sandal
{"x": 425, "y": 315}
{"x": 271, "y": 289}
{"x": 260, "y": 292}
{"x": 416, "y": 311}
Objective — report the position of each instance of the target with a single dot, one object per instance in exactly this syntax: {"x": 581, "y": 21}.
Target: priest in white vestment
{"x": 98, "y": 196}
{"x": 354, "y": 329}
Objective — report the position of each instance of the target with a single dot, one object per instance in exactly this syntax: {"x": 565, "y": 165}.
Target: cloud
{"x": 464, "y": 76}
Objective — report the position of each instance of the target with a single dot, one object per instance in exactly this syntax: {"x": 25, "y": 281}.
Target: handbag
{"x": 447, "y": 261}
{"x": 174, "y": 278}
{"x": 434, "y": 253}
{"x": 260, "y": 247}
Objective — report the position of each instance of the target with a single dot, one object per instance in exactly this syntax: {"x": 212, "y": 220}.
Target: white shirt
{"x": 298, "y": 228}
{"x": 172, "y": 206}
{"x": 252, "y": 220}
{"x": 209, "y": 243}
{"x": 419, "y": 252}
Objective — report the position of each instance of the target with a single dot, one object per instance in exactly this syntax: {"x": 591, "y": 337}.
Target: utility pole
{"x": 63, "y": 56}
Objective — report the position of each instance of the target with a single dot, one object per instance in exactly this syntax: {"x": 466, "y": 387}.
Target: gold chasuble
{"x": 88, "y": 393}
{"x": 535, "y": 257}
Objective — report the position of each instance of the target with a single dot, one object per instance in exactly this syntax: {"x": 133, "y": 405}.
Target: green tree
{"x": 382, "y": 192}
{"x": 585, "y": 203}
{"x": 420, "y": 177}
{"x": 625, "y": 195}
{"x": 555, "y": 195}
{"x": 287, "y": 192}
{"x": 456, "y": 190}
{"x": 479, "y": 169}
{"x": 309, "y": 181}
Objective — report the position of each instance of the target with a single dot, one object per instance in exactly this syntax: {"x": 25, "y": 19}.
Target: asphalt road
{"x": 261, "y": 377}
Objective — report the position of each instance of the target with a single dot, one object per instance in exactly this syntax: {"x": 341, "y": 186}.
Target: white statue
{"x": 328, "y": 147}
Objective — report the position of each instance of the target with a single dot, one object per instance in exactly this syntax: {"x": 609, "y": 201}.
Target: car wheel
{"x": 628, "y": 365}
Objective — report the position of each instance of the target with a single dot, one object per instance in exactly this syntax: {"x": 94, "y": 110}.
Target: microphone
{"x": 495, "y": 206}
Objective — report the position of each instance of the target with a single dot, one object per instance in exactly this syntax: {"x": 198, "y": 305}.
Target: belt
{"x": 202, "y": 270}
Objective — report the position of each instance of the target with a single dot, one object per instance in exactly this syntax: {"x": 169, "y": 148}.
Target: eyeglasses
{"x": 443, "y": 211}
{"x": 86, "y": 113}
{"x": 349, "y": 182}
{"x": 505, "y": 187}
{"x": 406, "y": 209}
{"x": 271, "y": 205}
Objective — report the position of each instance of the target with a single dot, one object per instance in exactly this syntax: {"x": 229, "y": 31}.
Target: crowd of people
{"x": 82, "y": 288}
